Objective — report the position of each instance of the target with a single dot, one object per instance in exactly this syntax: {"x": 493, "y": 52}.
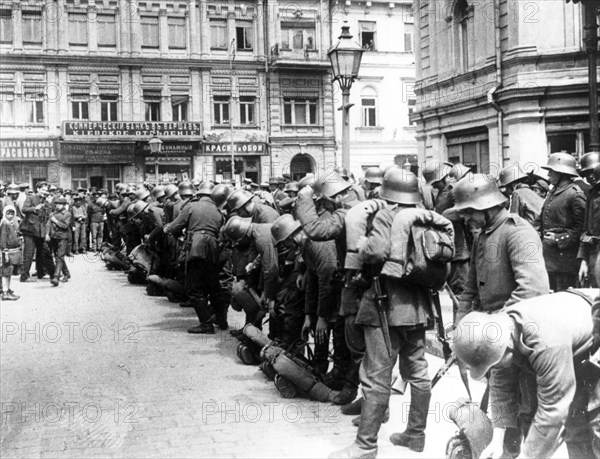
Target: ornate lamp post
{"x": 345, "y": 57}
{"x": 155, "y": 147}
{"x": 590, "y": 8}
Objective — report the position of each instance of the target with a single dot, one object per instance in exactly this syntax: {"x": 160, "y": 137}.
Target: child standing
{"x": 10, "y": 248}
{"x": 58, "y": 236}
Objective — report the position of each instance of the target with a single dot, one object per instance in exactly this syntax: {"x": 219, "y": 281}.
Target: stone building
{"x": 381, "y": 132}
{"x": 84, "y": 85}
{"x": 500, "y": 81}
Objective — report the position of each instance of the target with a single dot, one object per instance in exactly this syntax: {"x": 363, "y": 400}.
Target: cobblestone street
{"x": 96, "y": 367}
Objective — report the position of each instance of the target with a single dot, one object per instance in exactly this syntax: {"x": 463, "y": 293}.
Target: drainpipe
{"x": 491, "y": 95}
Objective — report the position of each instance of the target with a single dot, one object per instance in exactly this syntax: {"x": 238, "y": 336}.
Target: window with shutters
{"x": 472, "y": 150}
{"x": 367, "y": 35}
{"x": 80, "y": 106}
{"x": 32, "y": 28}
{"x": 78, "y": 29}
{"x": 179, "y": 104}
{"x": 247, "y": 104}
{"x": 109, "y": 107}
{"x": 300, "y": 111}
{"x": 218, "y": 34}
{"x": 408, "y": 37}
{"x": 34, "y": 108}
{"x": 297, "y": 35}
{"x": 6, "y": 26}
{"x": 7, "y": 108}
{"x": 150, "y": 32}
{"x": 243, "y": 36}
{"x": 107, "y": 30}
{"x": 152, "y": 105}
{"x": 177, "y": 33}
{"x": 221, "y": 109}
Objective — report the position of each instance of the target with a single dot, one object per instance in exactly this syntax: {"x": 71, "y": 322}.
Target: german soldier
{"x": 561, "y": 222}
{"x": 523, "y": 201}
{"x": 535, "y": 336}
{"x": 589, "y": 248}
{"x": 202, "y": 221}
{"x": 242, "y": 203}
{"x": 408, "y": 316}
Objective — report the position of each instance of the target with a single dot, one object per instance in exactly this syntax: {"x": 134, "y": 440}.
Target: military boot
{"x": 353, "y": 408}
{"x": 345, "y": 396}
{"x": 206, "y": 326}
{"x": 386, "y": 418}
{"x": 414, "y": 436}
{"x": 365, "y": 444}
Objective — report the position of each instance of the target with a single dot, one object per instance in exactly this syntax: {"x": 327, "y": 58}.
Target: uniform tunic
{"x": 507, "y": 266}
{"x": 563, "y": 215}
{"x": 526, "y": 203}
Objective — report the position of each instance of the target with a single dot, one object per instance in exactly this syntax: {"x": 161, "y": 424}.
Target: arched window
{"x": 461, "y": 15}
{"x": 368, "y": 103}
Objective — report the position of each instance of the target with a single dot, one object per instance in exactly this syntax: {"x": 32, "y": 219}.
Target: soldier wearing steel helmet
{"x": 171, "y": 199}
{"x": 561, "y": 222}
{"x": 538, "y": 338}
{"x": 408, "y": 316}
{"x": 321, "y": 302}
{"x": 522, "y": 200}
{"x": 202, "y": 222}
{"x": 589, "y": 247}
{"x": 242, "y": 203}
{"x": 262, "y": 259}
{"x": 372, "y": 182}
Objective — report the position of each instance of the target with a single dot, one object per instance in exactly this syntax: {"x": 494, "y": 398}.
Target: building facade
{"x": 500, "y": 82}
{"x": 381, "y": 132}
{"x": 84, "y": 85}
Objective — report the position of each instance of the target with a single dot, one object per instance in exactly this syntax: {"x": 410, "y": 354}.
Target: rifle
{"x": 449, "y": 357}
{"x": 381, "y": 309}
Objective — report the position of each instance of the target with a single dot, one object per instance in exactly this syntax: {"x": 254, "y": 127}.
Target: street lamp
{"x": 590, "y": 11}
{"x": 155, "y": 146}
{"x": 345, "y": 58}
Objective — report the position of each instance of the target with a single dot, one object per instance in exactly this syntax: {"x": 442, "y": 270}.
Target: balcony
{"x": 297, "y": 59}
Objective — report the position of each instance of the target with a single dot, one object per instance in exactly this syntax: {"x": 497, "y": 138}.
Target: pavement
{"x": 96, "y": 368}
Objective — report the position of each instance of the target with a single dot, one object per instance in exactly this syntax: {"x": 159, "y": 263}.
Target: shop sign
{"x": 97, "y": 153}
{"x": 247, "y": 148}
{"x": 131, "y": 128}
{"x": 173, "y": 148}
{"x": 27, "y": 150}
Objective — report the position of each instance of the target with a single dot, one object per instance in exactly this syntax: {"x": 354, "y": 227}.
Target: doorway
{"x": 301, "y": 165}
{"x": 97, "y": 182}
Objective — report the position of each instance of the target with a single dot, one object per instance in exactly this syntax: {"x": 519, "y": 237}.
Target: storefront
{"x": 28, "y": 160}
{"x": 175, "y": 161}
{"x": 93, "y": 164}
{"x": 102, "y": 154}
{"x": 250, "y": 159}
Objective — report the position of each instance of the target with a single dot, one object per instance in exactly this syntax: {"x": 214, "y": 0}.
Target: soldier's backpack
{"x": 422, "y": 246}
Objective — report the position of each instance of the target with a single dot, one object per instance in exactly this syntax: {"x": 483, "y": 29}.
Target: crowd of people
{"x": 335, "y": 258}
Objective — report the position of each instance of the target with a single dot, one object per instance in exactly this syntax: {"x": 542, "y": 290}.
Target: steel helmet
{"x": 196, "y": 182}
{"x": 237, "y": 227}
{"x": 344, "y": 173}
{"x": 563, "y": 163}
{"x": 138, "y": 208}
{"x": 292, "y": 186}
{"x": 589, "y": 161}
{"x": 130, "y": 211}
{"x": 158, "y": 192}
{"x": 170, "y": 190}
{"x": 186, "y": 188}
{"x": 458, "y": 171}
{"x": 142, "y": 193}
{"x": 332, "y": 184}
{"x": 477, "y": 191}
{"x": 205, "y": 188}
{"x": 435, "y": 172}
{"x": 400, "y": 186}
{"x": 511, "y": 174}
{"x": 374, "y": 175}
{"x": 238, "y": 199}
{"x": 307, "y": 180}
{"x": 220, "y": 193}
{"x": 12, "y": 189}
{"x": 284, "y": 227}
{"x": 480, "y": 340}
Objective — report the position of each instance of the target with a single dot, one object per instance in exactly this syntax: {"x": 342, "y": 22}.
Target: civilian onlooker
{"x": 58, "y": 238}
{"x": 96, "y": 214}
{"x": 80, "y": 217}
{"x": 10, "y": 248}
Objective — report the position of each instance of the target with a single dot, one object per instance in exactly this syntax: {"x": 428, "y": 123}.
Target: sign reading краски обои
{"x": 131, "y": 128}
